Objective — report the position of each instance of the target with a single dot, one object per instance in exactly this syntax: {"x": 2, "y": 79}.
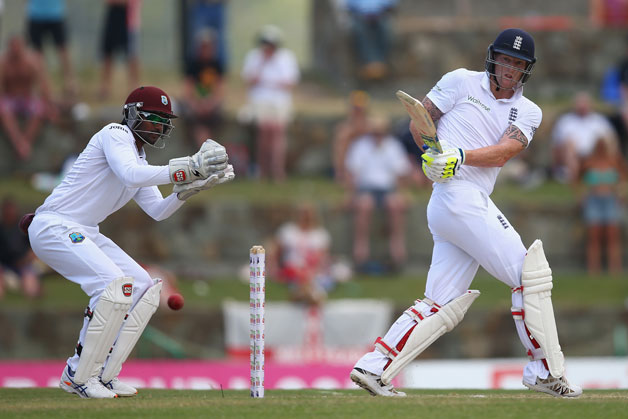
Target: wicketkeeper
{"x": 64, "y": 233}
{"x": 483, "y": 121}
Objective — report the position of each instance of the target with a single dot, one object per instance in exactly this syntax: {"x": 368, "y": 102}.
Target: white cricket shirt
{"x": 473, "y": 118}
{"x": 377, "y": 166}
{"x": 271, "y": 72}
{"x": 582, "y": 130}
{"x": 107, "y": 174}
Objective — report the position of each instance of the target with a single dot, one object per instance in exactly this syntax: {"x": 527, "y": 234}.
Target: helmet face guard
{"x": 135, "y": 118}
{"x": 515, "y": 43}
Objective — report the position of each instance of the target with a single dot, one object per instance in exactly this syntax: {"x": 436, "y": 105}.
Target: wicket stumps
{"x": 257, "y": 303}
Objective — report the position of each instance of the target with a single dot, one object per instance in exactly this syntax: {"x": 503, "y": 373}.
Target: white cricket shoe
{"x": 373, "y": 384}
{"x": 120, "y": 388}
{"x": 92, "y": 389}
{"x": 557, "y": 387}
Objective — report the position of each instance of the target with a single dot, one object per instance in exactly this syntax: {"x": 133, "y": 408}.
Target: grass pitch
{"x": 54, "y": 403}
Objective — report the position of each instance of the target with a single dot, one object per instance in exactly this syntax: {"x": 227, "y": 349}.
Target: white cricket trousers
{"x": 468, "y": 231}
{"x": 92, "y": 262}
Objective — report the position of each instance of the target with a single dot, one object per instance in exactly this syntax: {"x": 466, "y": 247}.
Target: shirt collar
{"x": 486, "y": 85}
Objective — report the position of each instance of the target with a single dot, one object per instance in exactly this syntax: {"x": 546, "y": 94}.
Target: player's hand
{"x": 210, "y": 159}
{"x": 186, "y": 190}
{"x": 442, "y": 167}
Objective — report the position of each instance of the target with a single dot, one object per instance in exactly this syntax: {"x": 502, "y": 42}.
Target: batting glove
{"x": 442, "y": 167}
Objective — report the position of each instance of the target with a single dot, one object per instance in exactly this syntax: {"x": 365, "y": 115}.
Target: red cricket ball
{"x": 175, "y": 301}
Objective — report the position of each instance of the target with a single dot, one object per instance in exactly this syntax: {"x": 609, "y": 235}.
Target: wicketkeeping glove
{"x": 442, "y": 167}
{"x": 211, "y": 158}
{"x": 186, "y": 190}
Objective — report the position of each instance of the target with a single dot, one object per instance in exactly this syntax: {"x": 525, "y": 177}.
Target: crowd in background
{"x": 371, "y": 159}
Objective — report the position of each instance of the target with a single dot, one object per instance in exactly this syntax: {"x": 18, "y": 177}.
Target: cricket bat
{"x": 421, "y": 119}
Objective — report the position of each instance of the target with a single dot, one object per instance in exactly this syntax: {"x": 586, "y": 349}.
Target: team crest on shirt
{"x": 512, "y": 116}
{"x": 164, "y": 99}
{"x": 77, "y": 237}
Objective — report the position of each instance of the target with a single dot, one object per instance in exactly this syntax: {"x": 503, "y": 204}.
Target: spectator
{"x": 15, "y": 252}
{"x": 602, "y": 180}
{"x": 574, "y": 137}
{"x": 271, "y": 72}
{"x": 372, "y": 33}
{"x": 204, "y": 89}
{"x": 402, "y": 132}
{"x": 207, "y": 14}
{"x": 619, "y": 121}
{"x": 622, "y": 70}
{"x": 46, "y": 18}
{"x": 350, "y": 128}
{"x": 300, "y": 257}
{"x": 120, "y": 33}
{"x": 376, "y": 162}
{"x": 24, "y": 94}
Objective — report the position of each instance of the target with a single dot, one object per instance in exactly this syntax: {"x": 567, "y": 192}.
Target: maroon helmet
{"x": 151, "y": 99}
{"x": 149, "y": 103}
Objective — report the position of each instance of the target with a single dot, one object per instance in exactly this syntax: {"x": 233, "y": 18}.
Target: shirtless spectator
{"x": 24, "y": 95}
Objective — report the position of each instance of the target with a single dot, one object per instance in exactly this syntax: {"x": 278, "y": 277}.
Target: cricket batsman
{"x": 483, "y": 121}
{"x": 64, "y": 233}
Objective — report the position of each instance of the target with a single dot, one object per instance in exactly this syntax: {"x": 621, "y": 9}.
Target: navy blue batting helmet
{"x": 516, "y": 43}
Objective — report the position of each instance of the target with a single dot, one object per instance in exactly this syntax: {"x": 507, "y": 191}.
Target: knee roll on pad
{"x": 107, "y": 317}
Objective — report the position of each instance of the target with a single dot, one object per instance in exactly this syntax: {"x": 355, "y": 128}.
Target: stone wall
{"x": 209, "y": 235}
{"x": 199, "y": 333}
{"x": 432, "y": 38}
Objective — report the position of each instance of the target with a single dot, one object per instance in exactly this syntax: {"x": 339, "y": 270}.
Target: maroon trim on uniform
{"x": 391, "y": 351}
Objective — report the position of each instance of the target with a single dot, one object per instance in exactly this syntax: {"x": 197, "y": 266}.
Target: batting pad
{"x": 107, "y": 317}
{"x": 428, "y": 330}
{"x": 131, "y": 331}
{"x": 536, "y": 279}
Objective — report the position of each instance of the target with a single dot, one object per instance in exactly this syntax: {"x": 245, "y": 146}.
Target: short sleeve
{"x": 446, "y": 92}
{"x": 530, "y": 121}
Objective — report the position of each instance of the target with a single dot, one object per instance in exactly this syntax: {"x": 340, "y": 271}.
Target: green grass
{"x": 296, "y": 189}
{"x": 570, "y": 291}
{"x": 53, "y": 403}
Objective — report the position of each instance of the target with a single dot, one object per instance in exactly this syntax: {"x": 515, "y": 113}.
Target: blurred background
{"x": 339, "y": 270}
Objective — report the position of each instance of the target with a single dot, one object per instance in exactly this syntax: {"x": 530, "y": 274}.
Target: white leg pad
{"x": 428, "y": 330}
{"x": 131, "y": 331}
{"x": 107, "y": 317}
{"x": 536, "y": 279}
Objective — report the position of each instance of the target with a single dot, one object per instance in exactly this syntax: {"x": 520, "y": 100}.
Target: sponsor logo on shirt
{"x": 503, "y": 221}
{"x": 532, "y": 131}
{"x": 120, "y": 127}
{"x": 477, "y": 102}
{"x": 77, "y": 237}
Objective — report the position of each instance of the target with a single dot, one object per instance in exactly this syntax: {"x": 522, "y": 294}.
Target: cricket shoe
{"x": 92, "y": 389}
{"x": 557, "y": 387}
{"x": 120, "y": 388}
{"x": 373, "y": 384}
